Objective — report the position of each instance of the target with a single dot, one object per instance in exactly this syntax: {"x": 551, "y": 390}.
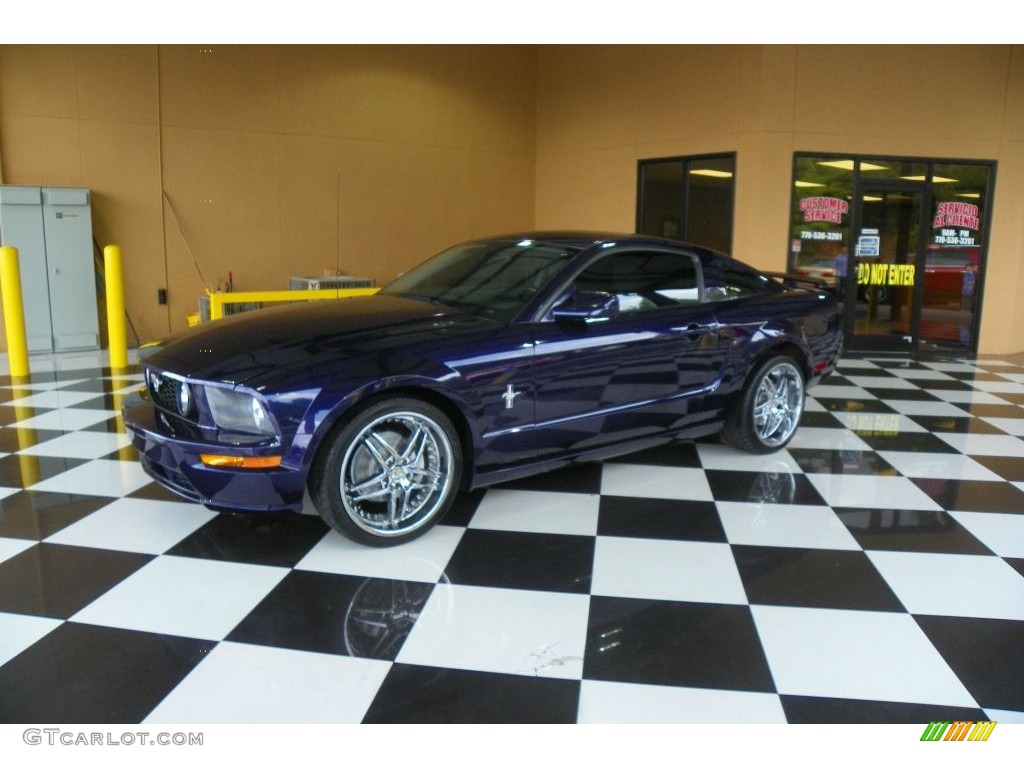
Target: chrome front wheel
{"x": 389, "y": 474}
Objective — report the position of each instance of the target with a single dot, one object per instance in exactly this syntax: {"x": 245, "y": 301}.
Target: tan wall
{"x": 279, "y": 160}
{"x": 613, "y": 105}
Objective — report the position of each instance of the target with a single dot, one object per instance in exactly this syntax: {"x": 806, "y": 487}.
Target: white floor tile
{"x": 538, "y": 512}
{"x": 655, "y": 482}
{"x": 691, "y": 571}
{"x": 513, "y": 631}
{"x": 967, "y": 397}
{"x": 423, "y": 559}
{"x": 784, "y": 525}
{"x": 818, "y": 652}
{"x": 66, "y": 419}
{"x": 879, "y": 423}
{"x": 950, "y": 585}
{"x": 1015, "y": 377}
{"x": 240, "y": 683}
{"x": 11, "y": 547}
{"x": 930, "y": 374}
{"x": 1005, "y": 716}
{"x": 42, "y": 386}
{"x": 102, "y": 477}
{"x": 984, "y": 445}
{"x": 943, "y": 466}
{"x": 80, "y": 445}
{"x": 813, "y": 406}
{"x": 714, "y": 456}
{"x": 604, "y": 702}
{"x": 997, "y": 387}
{"x": 842, "y": 392}
{"x": 1010, "y": 426}
{"x": 856, "y": 363}
{"x": 828, "y": 438}
{"x": 18, "y": 632}
{"x": 1003, "y": 534}
{"x": 184, "y": 596}
{"x": 135, "y": 525}
{"x": 953, "y": 367}
{"x": 872, "y": 492}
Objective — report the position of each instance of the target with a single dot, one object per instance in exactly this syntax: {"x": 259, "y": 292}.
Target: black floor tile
{"x": 13, "y": 439}
{"x": 842, "y": 405}
{"x": 762, "y": 487}
{"x": 37, "y": 515}
{"x": 1007, "y": 467}
{"x": 578, "y": 478}
{"x": 128, "y": 453}
{"x": 838, "y": 462}
{"x": 22, "y": 471}
{"x": 659, "y": 519}
{"x": 101, "y": 403}
{"x": 9, "y": 415}
{"x": 328, "y": 613}
{"x": 113, "y": 425}
{"x": 813, "y": 709}
{"x": 263, "y": 539}
{"x": 700, "y": 645}
{"x": 1017, "y": 563}
{"x": 523, "y": 561}
{"x": 985, "y": 654}
{"x": 57, "y": 581}
{"x": 917, "y": 442}
{"x": 80, "y": 673}
{"x": 412, "y": 694}
{"x": 887, "y": 394}
{"x": 963, "y": 424}
{"x": 674, "y": 454}
{"x": 155, "y": 492}
{"x": 995, "y": 411}
{"x": 463, "y": 508}
{"x": 813, "y": 578}
{"x": 910, "y": 530}
{"x": 820, "y": 419}
{"x": 973, "y": 495}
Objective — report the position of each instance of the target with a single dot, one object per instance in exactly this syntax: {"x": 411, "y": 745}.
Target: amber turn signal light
{"x": 240, "y": 462}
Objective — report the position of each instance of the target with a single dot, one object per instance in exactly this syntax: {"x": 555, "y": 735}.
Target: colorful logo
{"x": 961, "y": 730}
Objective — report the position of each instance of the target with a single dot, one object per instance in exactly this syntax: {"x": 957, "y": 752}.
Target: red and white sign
{"x": 830, "y": 209}
{"x": 957, "y": 215}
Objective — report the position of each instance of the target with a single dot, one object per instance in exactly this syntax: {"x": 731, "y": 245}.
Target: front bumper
{"x": 173, "y": 461}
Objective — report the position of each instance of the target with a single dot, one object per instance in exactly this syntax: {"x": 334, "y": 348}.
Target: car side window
{"x": 737, "y": 281}
{"x": 643, "y": 280}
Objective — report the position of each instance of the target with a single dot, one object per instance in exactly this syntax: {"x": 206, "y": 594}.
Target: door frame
{"x": 880, "y": 343}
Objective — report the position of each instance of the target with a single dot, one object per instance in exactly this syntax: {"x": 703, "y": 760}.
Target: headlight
{"x": 185, "y": 399}
{"x": 238, "y": 411}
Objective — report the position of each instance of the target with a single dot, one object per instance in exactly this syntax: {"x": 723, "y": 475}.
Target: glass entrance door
{"x": 883, "y": 294}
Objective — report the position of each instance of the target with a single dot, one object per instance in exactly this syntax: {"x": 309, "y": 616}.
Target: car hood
{"x": 237, "y": 349}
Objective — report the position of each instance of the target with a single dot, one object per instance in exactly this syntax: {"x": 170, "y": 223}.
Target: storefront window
{"x": 953, "y": 257}
{"x": 688, "y": 198}
{"x": 820, "y": 222}
{"x": 901, "y": 242}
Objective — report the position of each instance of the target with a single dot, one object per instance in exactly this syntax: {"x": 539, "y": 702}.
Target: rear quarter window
{"x": 732, "y": 280}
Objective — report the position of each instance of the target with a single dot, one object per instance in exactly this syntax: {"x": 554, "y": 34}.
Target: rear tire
{"x": 768, "y": 411}
{"x": 389, "y": 473}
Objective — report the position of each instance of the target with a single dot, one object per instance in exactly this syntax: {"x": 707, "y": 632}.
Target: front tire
{"x": 388, "y": 474}
{"x": 768, "y": 411}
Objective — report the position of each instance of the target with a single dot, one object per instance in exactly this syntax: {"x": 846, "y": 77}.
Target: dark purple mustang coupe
{"x": 496, "y": 359}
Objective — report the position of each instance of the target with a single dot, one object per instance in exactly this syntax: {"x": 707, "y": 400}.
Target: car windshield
{"x": 497, "y": 278}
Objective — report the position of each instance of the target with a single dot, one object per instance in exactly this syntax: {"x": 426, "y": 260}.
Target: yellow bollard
{"x": 14, "y": 312}
{"x": 117, "y": 332}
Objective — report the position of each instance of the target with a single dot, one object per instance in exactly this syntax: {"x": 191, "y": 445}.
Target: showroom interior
{"x": 870, "y": 572}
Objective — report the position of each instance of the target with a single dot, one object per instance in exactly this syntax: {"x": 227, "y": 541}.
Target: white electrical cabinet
{"x": 52, "y": 229}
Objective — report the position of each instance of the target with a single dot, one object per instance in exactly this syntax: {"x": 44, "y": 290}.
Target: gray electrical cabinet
{"x": 52, "y": 229}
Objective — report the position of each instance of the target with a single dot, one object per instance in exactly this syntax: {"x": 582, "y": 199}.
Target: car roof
{"x": 587, "y": 238}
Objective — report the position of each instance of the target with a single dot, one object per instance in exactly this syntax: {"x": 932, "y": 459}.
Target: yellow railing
{"x": 219, "y": 300}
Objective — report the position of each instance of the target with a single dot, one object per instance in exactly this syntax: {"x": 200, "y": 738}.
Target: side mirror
{"x": 587, "y": 306}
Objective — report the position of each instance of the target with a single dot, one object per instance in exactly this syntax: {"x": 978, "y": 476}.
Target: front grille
{"x": 165, "y": 392}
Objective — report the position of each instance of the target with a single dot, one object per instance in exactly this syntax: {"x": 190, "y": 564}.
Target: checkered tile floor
{"x": 871, "y": 572}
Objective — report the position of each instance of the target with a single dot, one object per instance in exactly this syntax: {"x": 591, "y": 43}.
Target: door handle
{"x": 692, "y": 331}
